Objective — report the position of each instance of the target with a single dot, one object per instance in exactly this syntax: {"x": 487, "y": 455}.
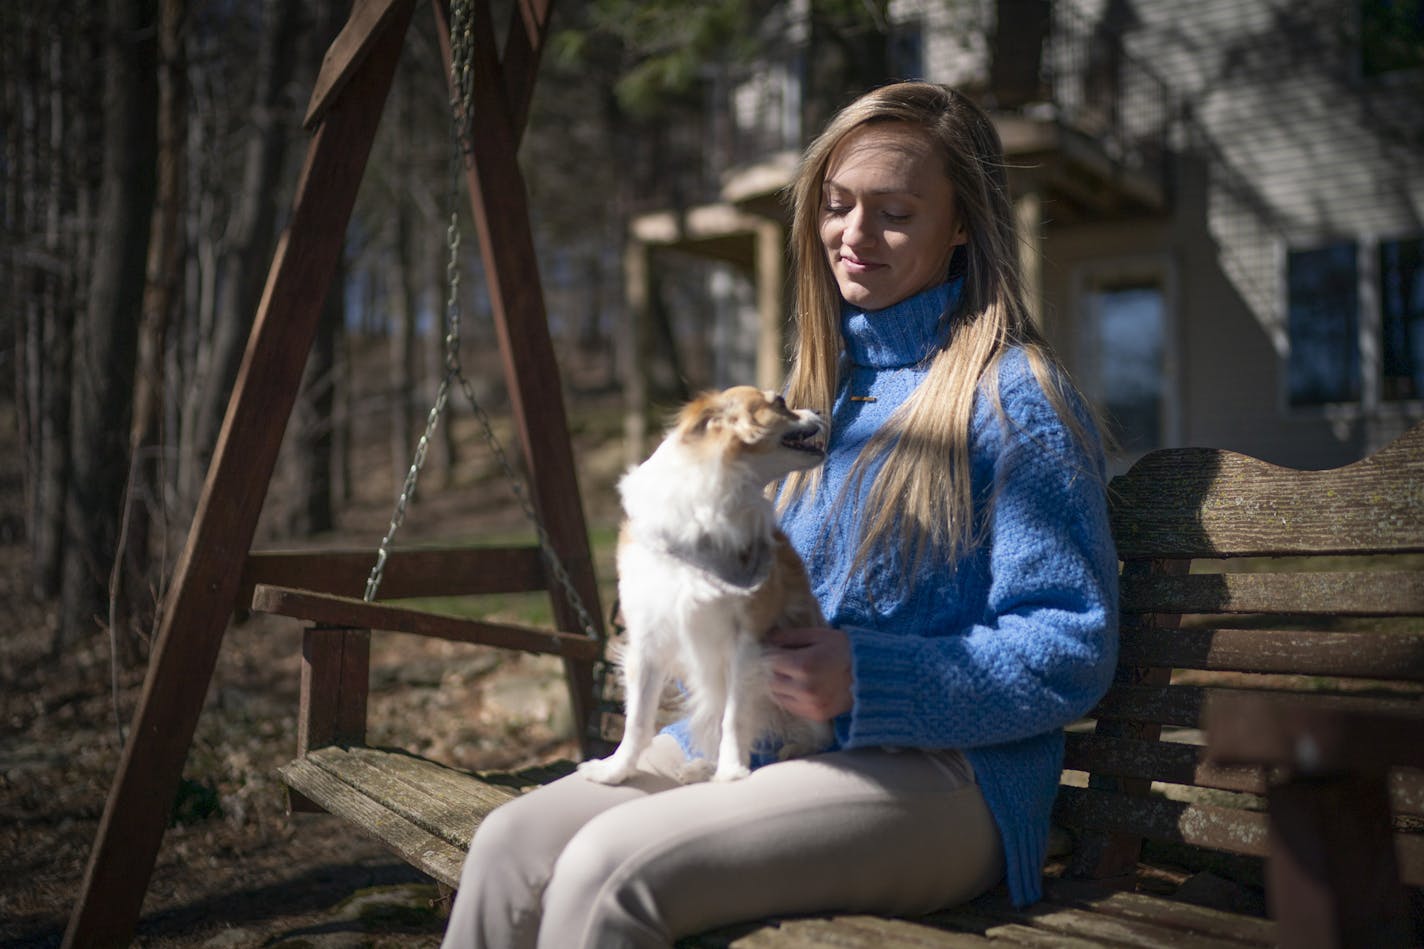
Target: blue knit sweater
{"x": 994, "y": 654}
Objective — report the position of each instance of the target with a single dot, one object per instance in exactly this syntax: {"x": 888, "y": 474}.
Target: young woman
{"x": 957, "y": 540}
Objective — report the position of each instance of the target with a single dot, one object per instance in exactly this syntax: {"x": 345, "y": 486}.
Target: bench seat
{"x": 426, "y": 813}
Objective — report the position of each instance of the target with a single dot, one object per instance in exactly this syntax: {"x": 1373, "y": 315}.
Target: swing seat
{"x": 423, "y": 811}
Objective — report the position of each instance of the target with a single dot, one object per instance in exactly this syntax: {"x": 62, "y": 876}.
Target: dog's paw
{"x": 727, "y": 773}
{"x": 798, "y": 749}
{"x": 695, "y": 771}
{"x": 796, "y": 746}
{"x": 605, "y": 771}
{"x": 807, "y": 738}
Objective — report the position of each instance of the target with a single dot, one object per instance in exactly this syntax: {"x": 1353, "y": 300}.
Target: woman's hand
{"x": 810, "y": 671}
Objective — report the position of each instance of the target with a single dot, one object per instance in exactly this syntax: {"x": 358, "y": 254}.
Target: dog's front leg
{"x": 643, "y": 682}
{"x": 734, "y": 752}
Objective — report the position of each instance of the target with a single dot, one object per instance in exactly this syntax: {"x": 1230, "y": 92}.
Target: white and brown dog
{"x": 704, "y": 574}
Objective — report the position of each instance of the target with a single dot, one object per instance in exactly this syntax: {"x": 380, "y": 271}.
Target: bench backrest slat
{"x": 1388, "y": 655}
{"x": 1377, "y": 593}
{"x": 1181, "y": 705}
{"x": 1202, "y": 825}
{"x": 1197, "y": 502}
{"x": 1180, "y": 763}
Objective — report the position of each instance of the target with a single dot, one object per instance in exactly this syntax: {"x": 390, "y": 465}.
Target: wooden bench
{"x": 1267, "y": 704}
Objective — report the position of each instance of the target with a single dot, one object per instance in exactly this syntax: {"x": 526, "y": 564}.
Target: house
{"x": 1222, "y": 204}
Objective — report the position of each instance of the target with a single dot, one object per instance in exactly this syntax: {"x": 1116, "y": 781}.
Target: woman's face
{"x": 888, "y": 219}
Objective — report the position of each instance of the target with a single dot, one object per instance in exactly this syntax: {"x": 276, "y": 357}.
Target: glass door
{"x": 1125, "y": 363}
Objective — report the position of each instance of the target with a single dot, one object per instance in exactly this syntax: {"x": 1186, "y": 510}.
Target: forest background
{"x": 149, "y": 151}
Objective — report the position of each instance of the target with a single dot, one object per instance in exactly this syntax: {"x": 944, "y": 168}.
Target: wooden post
{"x": 771, "y": 304}
{"x": 1028, "y": 209}
{"x": 1332, "y": 877}
{"x": 637, "y": 294}
{"x": 206, "y": 579}
{"x": 499, "y": 200}
{"x": 1106, "y": 856}
{"x": 336, "y": 679}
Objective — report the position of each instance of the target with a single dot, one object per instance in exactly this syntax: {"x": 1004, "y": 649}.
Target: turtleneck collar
{"x": 902, "y": 334}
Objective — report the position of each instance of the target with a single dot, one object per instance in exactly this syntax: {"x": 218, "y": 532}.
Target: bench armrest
{"x": 1308, "y": 739}
{"x": 1332, "y": 877}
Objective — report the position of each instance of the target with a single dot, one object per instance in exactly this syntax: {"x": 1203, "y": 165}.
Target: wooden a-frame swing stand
{"x": 216, "y": 567}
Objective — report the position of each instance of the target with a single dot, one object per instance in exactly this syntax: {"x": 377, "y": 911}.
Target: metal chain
{"x": 461, "y": 51}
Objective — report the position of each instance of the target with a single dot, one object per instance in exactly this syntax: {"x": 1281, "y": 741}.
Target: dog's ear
{"x": 700, "y": 423}
{"x": 699, "y": 415}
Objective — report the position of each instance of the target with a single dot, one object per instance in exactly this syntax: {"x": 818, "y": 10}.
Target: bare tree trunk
{"x": 134, "y": 593}
{"x": 842, "y": 60}
{"x": 190, "y": 355}
{"x": 313, "y": 444}
{"x": 341, "y": 450}
{"x": 250, "y": 233}
{"x": 50, "y": 335}
{"x": 405, "y": 288}
{"x": 18, "y": 111}
{"x": 39, "y": 177}
{"x": 403, "y": 352}
{"x": 447, "y": 449}
{"x": 16, "y": 78}
{"x": 312, "y": 428}
{"x": 105, "y": 341}
{"x": 669, "y": 378}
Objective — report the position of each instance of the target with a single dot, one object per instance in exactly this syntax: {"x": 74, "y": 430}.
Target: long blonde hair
{"x": 921, "y": 496}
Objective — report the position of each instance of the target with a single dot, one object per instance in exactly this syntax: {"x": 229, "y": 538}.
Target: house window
{"x": 906, "y": 51}
{"x": 1355, "y": 323}
{"x": 1391, "y": 36}
{"x": 1401, "y": 300}
{"x": 1322, "y": 320}
{"x": 1123, "y": 357}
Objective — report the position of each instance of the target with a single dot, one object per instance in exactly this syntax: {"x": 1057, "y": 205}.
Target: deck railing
{"x": 1097, "y": 87}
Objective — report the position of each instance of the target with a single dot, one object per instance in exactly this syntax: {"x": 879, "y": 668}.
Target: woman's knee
{"x": 598, "y": 884}
{"x": 498, "y": 830}
{"x": 509, "y": 837}
{"x": 595, "y": 855}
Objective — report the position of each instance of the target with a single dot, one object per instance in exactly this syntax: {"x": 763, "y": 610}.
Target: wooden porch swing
{"x": 217, "y": 573}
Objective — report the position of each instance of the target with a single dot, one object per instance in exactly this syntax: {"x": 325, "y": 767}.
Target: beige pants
{"x": 579, "y": 864}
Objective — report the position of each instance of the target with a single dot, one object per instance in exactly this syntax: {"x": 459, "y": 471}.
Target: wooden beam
{"x": 206, "y": 577}
{"x": 1105, "y": 855}
{"x": 347, "y": 52}
{"x": 636, "y": 343}
{"x": 336, "y": 681}
{"x": 1333, "y": 876}
{"x": 527, "y": 30}
{"x": 335, "y": 687}
{"x": 770, "y": 281}
{"x": 341, "y": 611}
{"x": 1303, "y": 737}
{"x": 434, "y": 571}
{"x": 499, "y": 200}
